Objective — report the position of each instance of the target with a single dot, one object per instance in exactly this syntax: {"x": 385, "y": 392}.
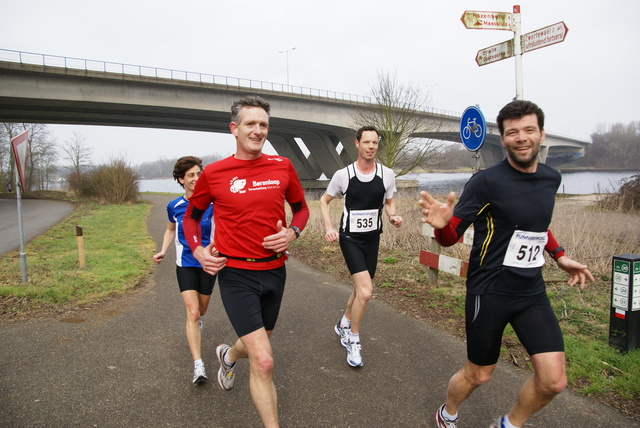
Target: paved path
{"x": 37, "y": 216}
{"x": 125, "y": 363}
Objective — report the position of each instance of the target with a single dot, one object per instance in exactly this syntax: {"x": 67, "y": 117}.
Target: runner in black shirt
{"x": 510, "y": 205}
{"x": 367, "y": 187}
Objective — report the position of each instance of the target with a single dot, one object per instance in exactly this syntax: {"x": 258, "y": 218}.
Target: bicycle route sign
{"x": 473, "y": 128}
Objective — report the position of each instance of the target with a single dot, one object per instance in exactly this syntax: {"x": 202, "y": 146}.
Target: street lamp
{"x": 286, "y": 52}
{"x": 431, "y": 91}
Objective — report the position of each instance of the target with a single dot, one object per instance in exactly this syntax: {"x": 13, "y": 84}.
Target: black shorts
{"x": 252, "y": 298}
{"x": 360, "y": 252}
{"x": 195, "y": 278}
{"x": 531, "y": 317}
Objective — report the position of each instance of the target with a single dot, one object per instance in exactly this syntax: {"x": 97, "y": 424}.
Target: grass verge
{"x": 593, "y": 367}
{"x": 117, "y": 249}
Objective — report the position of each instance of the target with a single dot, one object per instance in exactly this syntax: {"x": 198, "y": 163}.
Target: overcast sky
{"x": 591, "y": 78}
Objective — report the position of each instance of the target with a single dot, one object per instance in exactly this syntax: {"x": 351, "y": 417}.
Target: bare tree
{"x": 41, "y": 158}
{"x": 6, "y": 166}
{"x": 41, "y": 154}
{"x": 77, "y": 153}
{"x": 399, "y": 116}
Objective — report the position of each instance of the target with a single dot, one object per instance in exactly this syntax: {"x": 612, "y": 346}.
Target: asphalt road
{"x": 37, "y": 216}
{"x": 126, "y": 362}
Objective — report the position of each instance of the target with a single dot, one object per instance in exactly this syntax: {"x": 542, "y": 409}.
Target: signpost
{"x": 546, "y": 36}
{"x": 19, "y": 147}
{"x": 624, "y": 320}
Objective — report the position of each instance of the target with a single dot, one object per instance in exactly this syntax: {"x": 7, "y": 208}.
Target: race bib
{"x": 526, "y": 249}
{"x": 363, "y": 220}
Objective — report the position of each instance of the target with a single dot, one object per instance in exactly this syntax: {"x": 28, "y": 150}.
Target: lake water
{"x": 578, "y": 182}
{"x": 573, "y": 182}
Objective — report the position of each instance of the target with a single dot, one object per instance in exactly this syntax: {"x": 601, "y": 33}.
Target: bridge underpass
{"x": 31, "y": 93}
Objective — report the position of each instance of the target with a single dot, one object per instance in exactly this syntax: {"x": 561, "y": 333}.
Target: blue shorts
{"x": 195, "y": 278}
{"x": 360, "y": 252}
{"x": 252, "y": 298}
{"x": 531, "y": 317}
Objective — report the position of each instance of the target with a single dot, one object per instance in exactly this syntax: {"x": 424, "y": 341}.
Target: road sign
{"x": 473, "y": 129}
{"x": 495, "y": 53}
{"x": 478, "y": 20}
{"x": 19, "y": 147}
{"x": 546, "y": 36}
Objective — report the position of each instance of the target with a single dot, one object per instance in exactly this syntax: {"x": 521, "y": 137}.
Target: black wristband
{"x": 296, "y": 230}
{"x": 556, "y": 251}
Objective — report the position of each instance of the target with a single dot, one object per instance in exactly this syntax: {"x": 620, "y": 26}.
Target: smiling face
{"x": 190, "y": 179}
{"x": 368, "y": 145}
{"x": 251, "y": 132}
{"x": 522, "y": 138}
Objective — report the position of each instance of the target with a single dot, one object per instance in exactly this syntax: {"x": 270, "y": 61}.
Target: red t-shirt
{"x": 248, "y": 200}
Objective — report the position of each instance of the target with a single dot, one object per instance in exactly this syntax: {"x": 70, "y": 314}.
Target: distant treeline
{"x": 163, "y": 168}
{"x": 614, "y": 146}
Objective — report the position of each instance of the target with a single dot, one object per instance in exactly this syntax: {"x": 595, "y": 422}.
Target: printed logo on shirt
{"x": 264, "y": 185}
{"x": 240, "y": 185}
{"x": 237, "y": 185}
{"x": 275, "y": 159}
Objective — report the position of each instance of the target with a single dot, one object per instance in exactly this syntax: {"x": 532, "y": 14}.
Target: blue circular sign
{"x": 473, "y": 129}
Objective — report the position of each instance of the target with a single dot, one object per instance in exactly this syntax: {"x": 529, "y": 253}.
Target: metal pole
{"x": 23, "y": 255}
{"x": 286, "y": 52}
{"x": 517, "y": 50}
{"x": 287, "y": 68}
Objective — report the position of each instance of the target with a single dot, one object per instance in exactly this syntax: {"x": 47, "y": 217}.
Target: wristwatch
{"x": 296, "y": 230}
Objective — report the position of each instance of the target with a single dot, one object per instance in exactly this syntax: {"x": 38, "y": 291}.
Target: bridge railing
{"x": 166, "y": 73}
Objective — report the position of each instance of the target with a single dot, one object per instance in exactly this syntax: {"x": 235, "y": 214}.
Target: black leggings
{"x": 531, "y": 317}
{"x": 195, "y": 278}
{"x": 360, "y": 253}
{"x": 252, "y": 298}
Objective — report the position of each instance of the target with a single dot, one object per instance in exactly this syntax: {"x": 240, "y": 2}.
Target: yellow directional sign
{"x": 479, "y": 20}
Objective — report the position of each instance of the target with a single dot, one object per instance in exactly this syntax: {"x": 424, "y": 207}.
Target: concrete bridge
{"x": 37, "y": 88}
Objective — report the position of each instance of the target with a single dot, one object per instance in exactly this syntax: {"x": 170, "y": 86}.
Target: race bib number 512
{"x": 526, "y": 249}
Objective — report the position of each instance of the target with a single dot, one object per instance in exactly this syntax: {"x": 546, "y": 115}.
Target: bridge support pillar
{"x": 287, "y": 146}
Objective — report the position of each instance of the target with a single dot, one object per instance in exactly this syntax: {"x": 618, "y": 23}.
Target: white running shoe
{"x": 442, "y": 422}
{"x": 343, "y": 332}
{"x": 497, "y": 423}
{"x": 199, "y": 375}
{"x": 226, "y": 374}
{"x": 353, "y": 354}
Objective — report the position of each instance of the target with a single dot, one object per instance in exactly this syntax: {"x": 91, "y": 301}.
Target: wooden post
{"x": 433, "y": 273}
{"x": 80, "y": 240}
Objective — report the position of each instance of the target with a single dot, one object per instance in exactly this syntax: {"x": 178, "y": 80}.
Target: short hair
{"x": 248, "y": 101}
{"x": 366, "y": 128}
{"x": 517, "y": 109}
{"x": 183, "y": 165}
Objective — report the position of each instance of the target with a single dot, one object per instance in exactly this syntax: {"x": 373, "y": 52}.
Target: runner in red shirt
{"x": 248, "y": 191}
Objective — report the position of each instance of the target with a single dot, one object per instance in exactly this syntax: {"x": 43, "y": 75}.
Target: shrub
{"x": 115, "y": 183}
{"x": 79, "y": 184}
{"x": 627, "y": 199}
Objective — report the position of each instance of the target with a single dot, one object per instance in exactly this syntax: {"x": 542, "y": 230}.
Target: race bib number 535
{"x": 526, "y": 249}
{"x": 363, "y": 220}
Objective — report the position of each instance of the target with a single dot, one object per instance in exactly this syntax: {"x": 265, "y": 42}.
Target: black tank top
{"x": 363, "y": 203}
